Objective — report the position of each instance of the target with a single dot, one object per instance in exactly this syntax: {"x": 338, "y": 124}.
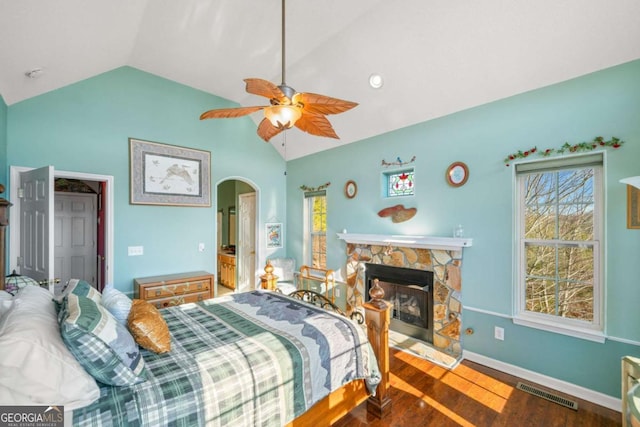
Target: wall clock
{"x": 457, "y": 174}
{"x": 350, "y": 189}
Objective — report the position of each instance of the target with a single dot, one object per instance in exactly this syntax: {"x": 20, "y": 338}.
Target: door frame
{"x": 260, "y": 261}
{"x": 14, "y": 232}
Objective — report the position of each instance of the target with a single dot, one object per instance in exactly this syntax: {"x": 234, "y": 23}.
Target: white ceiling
{"x": 436, "y": 56}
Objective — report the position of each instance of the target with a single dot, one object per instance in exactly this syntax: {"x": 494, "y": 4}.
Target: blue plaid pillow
{"x": 104, "y": 347}
{"x": 81, "y": 288}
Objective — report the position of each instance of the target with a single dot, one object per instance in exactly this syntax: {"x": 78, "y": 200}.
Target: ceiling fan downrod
{"x": 286, "y": 90}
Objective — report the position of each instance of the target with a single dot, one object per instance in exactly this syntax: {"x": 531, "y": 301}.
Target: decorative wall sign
{"x": 398, "y": 162}
{"x": 350, "y": 189}
{"x": 457, "y": 174}
{"x": 633, "y": 207}
{"x": 164, "y": 174}
{"x": 273, "y": 231}
{"x": 398, "y": 213}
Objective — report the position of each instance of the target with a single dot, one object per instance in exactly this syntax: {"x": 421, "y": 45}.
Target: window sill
{"x": 572, "y": 331}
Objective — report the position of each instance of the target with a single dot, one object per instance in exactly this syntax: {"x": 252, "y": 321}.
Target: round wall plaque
{"x": 350, "y": 189}
{"x": 457, "y": 174}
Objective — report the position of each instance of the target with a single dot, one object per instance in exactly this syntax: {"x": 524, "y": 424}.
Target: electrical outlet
{"x": 135, "y": 250}
{"x": 337, "y": 292}
{"x": 200, "y": 247}
{"x": 498, "y": 333}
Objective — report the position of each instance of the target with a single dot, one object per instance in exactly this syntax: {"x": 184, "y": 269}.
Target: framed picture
{"x": 633, "y": 207}
{"x": 164, "y": 174}
{"x": 457, "y": 174}
{"x": 274, "y": 234}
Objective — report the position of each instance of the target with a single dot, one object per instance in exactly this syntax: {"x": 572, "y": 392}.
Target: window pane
{"x": 575, "y": 301}
{"x": 541, "y": 261}
{"x": 559, "y": 205}
{"x": 318, "y": 228}
{"x": 400, "y": 184}
{"x": 541, "y": 296}
{"x": 575, "y": 264}
{"x": 319, "y": 217}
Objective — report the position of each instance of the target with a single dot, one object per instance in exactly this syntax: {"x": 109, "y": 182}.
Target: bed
{"x": 254, "y": 358}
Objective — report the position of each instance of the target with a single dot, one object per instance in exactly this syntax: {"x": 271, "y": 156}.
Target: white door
{"x": 75, "y": 250}
{"x": 246, "y": 250}
{"x": 36, "y": 224}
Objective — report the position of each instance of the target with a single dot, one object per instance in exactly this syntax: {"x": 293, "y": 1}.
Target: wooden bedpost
{"x": 377, "y": 320}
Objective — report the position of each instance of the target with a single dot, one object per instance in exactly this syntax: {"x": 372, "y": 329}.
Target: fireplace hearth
{"x": 410, "y": 293}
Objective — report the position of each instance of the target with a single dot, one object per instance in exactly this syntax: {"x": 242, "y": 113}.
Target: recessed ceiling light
{"x": 34, "y": 74}
{"x": 375, "y": 81}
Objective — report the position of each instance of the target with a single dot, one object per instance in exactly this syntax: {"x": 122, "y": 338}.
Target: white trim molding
{"x": 427, "y": 242}
{"x": 553, "y": 383}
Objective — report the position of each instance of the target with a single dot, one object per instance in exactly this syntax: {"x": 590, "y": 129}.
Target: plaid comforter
{"x": 255, "y": 358}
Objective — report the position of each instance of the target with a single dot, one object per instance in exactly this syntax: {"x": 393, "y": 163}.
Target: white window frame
{"x": 307, "y": 251}
{"x": 593, "y": 331}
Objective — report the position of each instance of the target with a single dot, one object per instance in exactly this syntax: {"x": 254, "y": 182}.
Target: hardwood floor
{"x": 424, "y": 394}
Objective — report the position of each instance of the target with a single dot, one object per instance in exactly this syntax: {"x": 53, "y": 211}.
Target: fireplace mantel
{"x": 427, "y": 242}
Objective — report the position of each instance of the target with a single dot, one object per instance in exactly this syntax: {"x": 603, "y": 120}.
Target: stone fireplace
{"x": 440, "y": 255}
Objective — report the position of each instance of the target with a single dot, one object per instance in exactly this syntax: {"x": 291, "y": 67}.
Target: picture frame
{"x": 633, "y": 207}
{"x": 163, "y": 174}
{"x": 273, "y": 233}
{"x": 350, "y": 189}
{"x": 457, "y": 174}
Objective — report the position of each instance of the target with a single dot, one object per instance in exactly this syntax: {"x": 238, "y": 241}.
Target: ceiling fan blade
{"x": 225, "y": 113}
{"x": 321, "y": 104}
{"x": 316, "y": 124}
{"x": 265, "y": 88}
{"x": 267, "y": 131}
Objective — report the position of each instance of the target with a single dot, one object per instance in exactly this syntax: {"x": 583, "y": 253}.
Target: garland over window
{"x": 571, "y": 148}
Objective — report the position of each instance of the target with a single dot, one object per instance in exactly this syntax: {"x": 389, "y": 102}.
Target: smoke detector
{"x": 34, "y": 74}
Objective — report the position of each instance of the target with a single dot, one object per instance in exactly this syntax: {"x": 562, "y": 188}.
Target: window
{"x": 316, "y": 229}
{"x": 559, "y": 236}
{"x": 400, "y": 183}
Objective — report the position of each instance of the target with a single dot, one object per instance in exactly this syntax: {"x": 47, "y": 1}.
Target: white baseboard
{"x": 553, "y": 383}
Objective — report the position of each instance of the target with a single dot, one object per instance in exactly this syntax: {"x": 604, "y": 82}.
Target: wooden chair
{"x": 318, "y": 280}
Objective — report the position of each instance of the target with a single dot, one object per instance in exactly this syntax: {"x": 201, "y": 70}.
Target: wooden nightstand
{"x": 174, "y": 289}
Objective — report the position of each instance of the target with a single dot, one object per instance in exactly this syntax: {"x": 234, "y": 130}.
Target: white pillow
{"x": 117, "y": 303}
{"x": 6, "y": 300}
{"x": 36, "y": 368}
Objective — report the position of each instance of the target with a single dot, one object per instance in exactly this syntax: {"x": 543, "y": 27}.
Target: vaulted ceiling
{"x": 436, "y": 56}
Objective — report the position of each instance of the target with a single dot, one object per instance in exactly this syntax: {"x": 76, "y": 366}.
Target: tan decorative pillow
{"x": 148, "y": 327}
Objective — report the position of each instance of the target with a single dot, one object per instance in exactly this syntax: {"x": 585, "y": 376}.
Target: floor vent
{"x": 549, "y": 396}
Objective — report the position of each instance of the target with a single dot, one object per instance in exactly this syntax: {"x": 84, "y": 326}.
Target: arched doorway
{"x": 236, "y": 236}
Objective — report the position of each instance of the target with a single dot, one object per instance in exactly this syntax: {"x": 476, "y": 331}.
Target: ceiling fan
{"x": 287, "y": 108}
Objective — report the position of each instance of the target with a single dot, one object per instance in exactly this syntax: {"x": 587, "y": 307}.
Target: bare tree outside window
{"x": 318, "y": 236}
{"x": 559, "y": 243}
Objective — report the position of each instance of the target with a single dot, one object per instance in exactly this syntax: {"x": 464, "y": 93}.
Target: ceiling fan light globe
{"x": 283, "y": 115}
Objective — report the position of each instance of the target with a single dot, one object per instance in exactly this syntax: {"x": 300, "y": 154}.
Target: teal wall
{"x": 85, "y": 128}
{"x": 605, "y": 103}
{"x": 3, "y": 143}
